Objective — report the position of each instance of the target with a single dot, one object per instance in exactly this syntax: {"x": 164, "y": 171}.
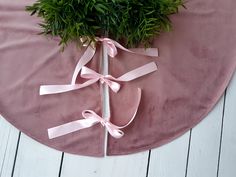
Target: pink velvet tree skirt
{"x": 196, "y": 62}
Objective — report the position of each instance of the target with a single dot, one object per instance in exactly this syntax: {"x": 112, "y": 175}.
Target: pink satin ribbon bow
{"x": 90, "y": 119}
{"x": 93, "y": 77}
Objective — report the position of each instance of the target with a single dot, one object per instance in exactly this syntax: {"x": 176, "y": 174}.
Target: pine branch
{"x": 131, "y": 21}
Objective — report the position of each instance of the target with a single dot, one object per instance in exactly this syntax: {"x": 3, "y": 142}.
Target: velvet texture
{"x": 197, "y": 60}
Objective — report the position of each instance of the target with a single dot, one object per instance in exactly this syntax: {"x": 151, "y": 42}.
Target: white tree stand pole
{"x": 104, "y": 65}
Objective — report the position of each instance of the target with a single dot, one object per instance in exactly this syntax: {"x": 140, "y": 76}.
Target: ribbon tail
{"x": 138, "y": 72}
{"x": 86, "y": 57}
{"x": 135, "y": 112}
{"x": 54, "y": 89}
{"x": 151, "y": 52}
{"x": 70, "y": 127}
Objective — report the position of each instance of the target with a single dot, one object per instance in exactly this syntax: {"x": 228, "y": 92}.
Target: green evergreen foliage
{"x": 131, "y": 21}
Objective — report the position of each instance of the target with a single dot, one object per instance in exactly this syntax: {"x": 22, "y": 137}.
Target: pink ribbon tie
{"x": 93, "y": 77}
{"x": 90, "y": 119}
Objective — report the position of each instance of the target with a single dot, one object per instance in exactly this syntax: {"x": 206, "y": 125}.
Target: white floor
{"x": 208, "y": 150}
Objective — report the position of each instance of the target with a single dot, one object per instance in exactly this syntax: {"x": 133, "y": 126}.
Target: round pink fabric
{"x": 197, "y": 60}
